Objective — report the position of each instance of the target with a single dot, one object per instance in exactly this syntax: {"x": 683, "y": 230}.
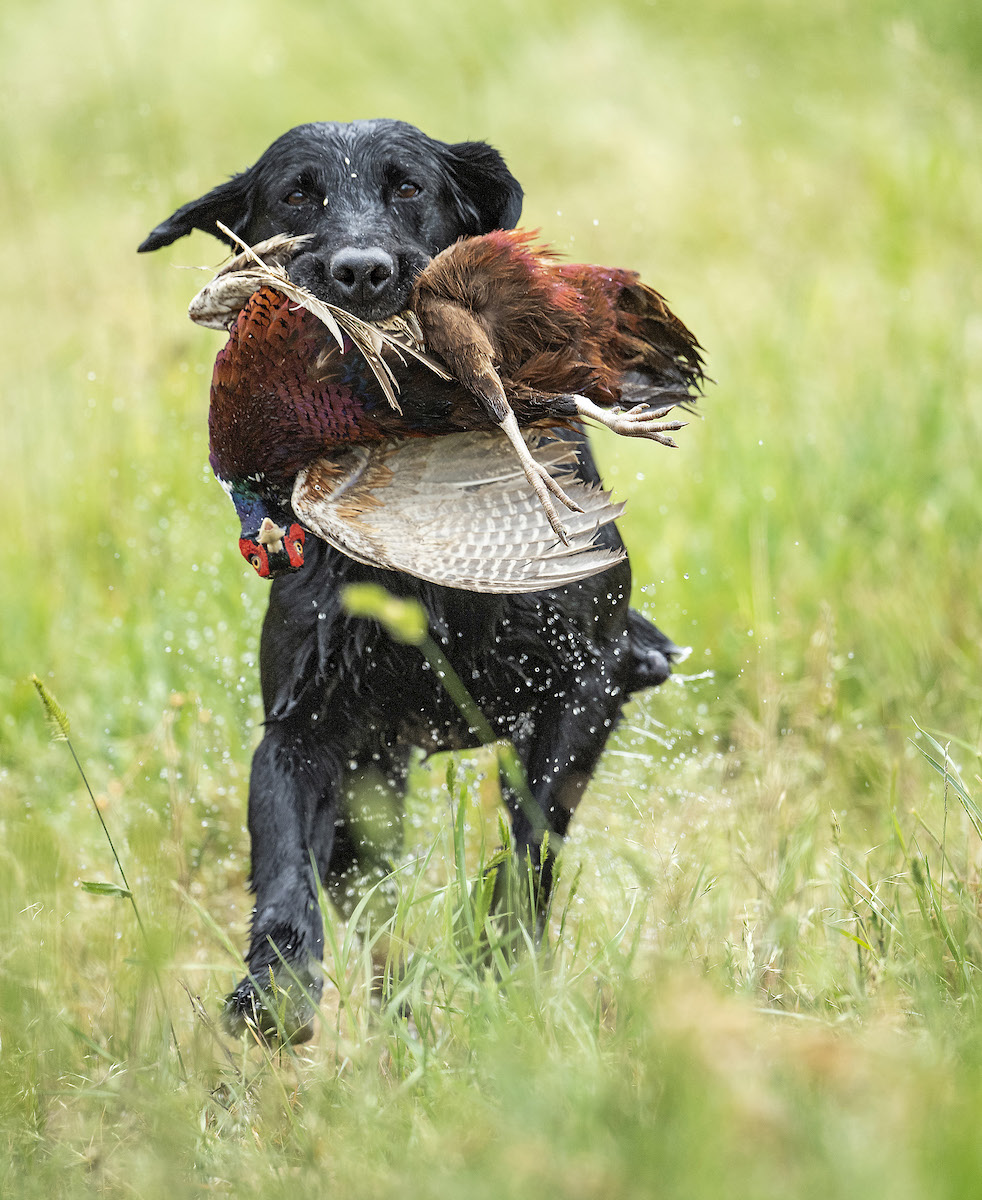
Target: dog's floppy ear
{"x": 230, "y": 203}
{"x": 489, "y": 196}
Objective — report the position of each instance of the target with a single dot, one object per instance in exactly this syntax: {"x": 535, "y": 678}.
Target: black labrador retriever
{"x": 344, "y": 704}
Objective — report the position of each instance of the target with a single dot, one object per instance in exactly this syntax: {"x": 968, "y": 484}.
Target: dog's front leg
{"x": 292, "y": 779}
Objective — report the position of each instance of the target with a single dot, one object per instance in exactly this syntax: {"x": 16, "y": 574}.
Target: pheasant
{"x": 529, "y": 341}
{"x": 304, "y": 437}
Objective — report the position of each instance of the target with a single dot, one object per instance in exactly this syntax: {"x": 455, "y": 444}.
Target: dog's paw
{"x": 284, "y": 1011}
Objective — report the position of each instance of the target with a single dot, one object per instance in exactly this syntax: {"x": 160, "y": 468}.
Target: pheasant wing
{"x": 457, "y": 511}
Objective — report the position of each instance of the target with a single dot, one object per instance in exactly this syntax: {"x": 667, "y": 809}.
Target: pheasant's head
{"x": 271, "y": 539}
{"x": 273, "y": 549}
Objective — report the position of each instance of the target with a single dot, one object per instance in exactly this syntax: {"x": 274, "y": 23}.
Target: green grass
{"x": 762, "y": 970}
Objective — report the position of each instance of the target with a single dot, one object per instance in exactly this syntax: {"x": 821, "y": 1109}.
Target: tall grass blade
{"x": 58, "y": 718}
{"x": 946, "y": 769}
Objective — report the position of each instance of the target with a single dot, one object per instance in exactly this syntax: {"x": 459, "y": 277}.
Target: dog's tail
{"x": 652, "y": 653}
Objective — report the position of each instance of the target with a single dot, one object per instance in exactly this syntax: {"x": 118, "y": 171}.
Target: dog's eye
{"x": 407, "y": 189}
{"x": 296, "y": 197}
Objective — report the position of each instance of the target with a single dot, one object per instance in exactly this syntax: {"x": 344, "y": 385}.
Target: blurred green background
{"x": 804, "y": 183}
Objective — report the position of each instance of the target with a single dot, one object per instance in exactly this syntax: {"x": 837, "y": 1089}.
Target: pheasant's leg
{"x": 639, "y": 421}
{"x": 538, "y": 476}
{"x": 483, "y": 380}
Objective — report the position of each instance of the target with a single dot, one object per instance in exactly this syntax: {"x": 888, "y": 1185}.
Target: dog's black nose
{"x": 361, "y": 275}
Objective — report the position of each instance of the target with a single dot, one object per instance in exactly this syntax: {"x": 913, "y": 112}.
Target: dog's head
{"x": 378, "y": 199}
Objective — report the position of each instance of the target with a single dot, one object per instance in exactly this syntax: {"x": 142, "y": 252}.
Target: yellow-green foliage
{"x": 764, "y": 957}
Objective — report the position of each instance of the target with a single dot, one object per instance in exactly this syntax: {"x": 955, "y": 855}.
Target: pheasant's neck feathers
{"x": 248, "y": 495}
{"x": 279, "y": 396}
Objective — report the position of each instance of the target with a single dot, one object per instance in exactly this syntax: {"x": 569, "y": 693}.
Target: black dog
{"x": 345, "y": 704}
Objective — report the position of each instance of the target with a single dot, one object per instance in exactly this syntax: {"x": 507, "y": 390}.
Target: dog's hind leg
{"x": 357, "y": 855}
{"x": 561, "y": 751}
{"x": 367, "y": 834}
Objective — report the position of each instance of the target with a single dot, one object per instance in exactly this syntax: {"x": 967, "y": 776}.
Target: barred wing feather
{"x": 456, "y": 510}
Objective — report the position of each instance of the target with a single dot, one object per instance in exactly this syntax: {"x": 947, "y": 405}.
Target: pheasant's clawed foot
{"x": 538, "y": 476}
{"x": 542, "y": 484}
{"x": 639, "y": 421}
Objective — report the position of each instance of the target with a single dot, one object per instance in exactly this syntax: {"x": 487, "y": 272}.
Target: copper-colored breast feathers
{"x": 274, "y": 406}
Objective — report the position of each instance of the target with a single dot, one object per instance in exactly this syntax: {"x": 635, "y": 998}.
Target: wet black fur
{"x": 345, "y": 705}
